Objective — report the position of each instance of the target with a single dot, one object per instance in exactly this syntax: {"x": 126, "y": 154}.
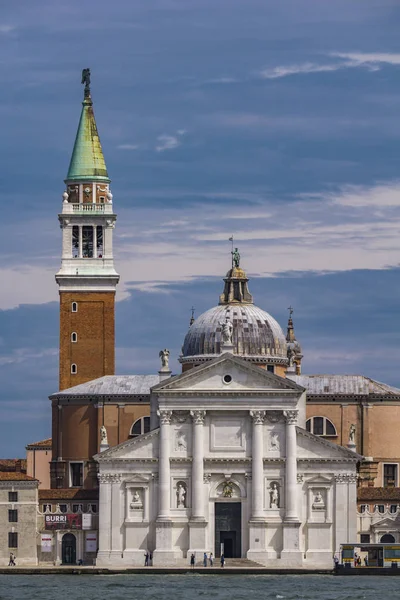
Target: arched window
{"x": 74, "y": 369}
{"x": 74, "y": 307}
{"x": 388, "y": 538}
{"x": 74, "y": 337}
{"x": 140, "y": 426}
{"x": 321, "y": 426}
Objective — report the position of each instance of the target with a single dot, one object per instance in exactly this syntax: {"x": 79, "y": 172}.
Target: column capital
{"x": 291, "y": 416}
{"x": 198, "y": 416}
{"x": 258, "y": 416}
{"x": 165, "y": 416}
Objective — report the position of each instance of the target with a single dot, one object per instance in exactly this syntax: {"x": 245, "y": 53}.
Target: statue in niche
{"x": 227, "y": 331}
{"x": 181, "y": 495}
{"x": 227, "y": 490}
{"x": 274, "y": 495}
{"x": 318, "y": 501}
{"x": 136, "y": 500}
{"x": 180, "y": 443}
{"x": 352, "y": 434}
{"x": 274, "y": 445}
{"x": 164, "y": 355}
{"x": 103, "y": 436}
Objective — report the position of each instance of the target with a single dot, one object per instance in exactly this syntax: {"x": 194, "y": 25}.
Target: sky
{"x": 277, "y": 122}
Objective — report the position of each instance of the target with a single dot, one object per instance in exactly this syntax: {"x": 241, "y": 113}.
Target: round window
{"x": 227, "y": 378}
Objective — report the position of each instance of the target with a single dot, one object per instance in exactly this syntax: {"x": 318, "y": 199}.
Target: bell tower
{"x": 87, "y": 278}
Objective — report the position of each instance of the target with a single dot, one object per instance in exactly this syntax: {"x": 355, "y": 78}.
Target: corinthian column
{"x": 257, "y": 464}
{"x": 291, "y": 465}
{"x": 198, "y": 464}
{"x": 164, "y": 477}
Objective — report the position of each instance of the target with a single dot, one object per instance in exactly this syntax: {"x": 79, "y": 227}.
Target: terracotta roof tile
{"x": 42, "y": 444}
{"x": 15, "y": 476}
{"x": 11, "y": 464}
{"x": 68, "y": 494}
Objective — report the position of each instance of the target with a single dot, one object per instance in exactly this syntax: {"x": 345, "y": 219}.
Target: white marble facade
{"x": 228, "y": 446}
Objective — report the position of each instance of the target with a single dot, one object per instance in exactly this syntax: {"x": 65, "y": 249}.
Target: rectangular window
{"x": 76, "y": 508}
{"x": 99, "y": 241}
{"x": 75, "y": 241}
{"x": 390, "y": 475}
{"x": 270, "y": 368}
{"x": 63, "y": 508}
{"x": 12, "y": 539}
{"x": 13, "y": 496}
{"x": 363, "y": 508}
{"x": 393, "y": 508}
{"x": 13, "y": 516}
{"x": 380, "y": 508}
{"x": 365, "y": 538}
{"x": 87, "y": 241}
{"x": 76, "y": 474}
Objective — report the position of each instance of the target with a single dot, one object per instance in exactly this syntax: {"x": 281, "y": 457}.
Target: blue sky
{"x": 278, "y": 122}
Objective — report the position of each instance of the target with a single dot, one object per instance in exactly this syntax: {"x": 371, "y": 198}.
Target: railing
{"x": 88, "y": 207}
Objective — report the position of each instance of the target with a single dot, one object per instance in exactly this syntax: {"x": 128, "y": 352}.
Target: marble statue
{"x": 274, "y": 496}
{"x": 65, "y": 197}
{"x": 164, "y": 355}
{"x": 318, "y": 501}
{"x": 180, "y": 443}
{"x": 290, "y": 355}
{"x": 227, "y": 331}
{"x": 181, "y": 496}
{"x": 103, "y": 436}
{"x": 352, "y": 434}
{"x": 136, "y": 500}
{"x": 274, "y": 442}
{"x": 109, "y": 196}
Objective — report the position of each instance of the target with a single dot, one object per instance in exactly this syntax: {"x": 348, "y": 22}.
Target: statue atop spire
{"x": 294, "y": 354}
{"x": 86, "y": 81}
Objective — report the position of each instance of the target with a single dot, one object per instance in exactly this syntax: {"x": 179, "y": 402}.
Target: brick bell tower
{"x": 87, "y": 278}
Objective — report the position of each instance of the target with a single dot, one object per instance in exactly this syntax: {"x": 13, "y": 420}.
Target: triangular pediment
{"x": 311, "y": 446}
{"x": 228, "y": 373}
{"x": 387, "y": 522}
{"x": 141, "y": 447}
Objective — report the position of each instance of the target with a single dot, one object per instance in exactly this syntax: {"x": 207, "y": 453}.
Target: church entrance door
{"x": 228, "y": 529}
{"x": 68, "y": 549}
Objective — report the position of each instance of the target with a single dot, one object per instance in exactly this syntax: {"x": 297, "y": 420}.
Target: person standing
{"x": 192, "y": 561}
{"x": 146, "y": 559}
{"x": 205, "y": 559}
{"x": 366, "y": 560}
{"x": 336, "y": 563}
{"x": 211, "y": 559}
{"x": 11, "y": 562}
{"x": 222, "y": 561}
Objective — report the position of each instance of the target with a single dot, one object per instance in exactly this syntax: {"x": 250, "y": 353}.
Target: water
{"x": 194, "y": 587}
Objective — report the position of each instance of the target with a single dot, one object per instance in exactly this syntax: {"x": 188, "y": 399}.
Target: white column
{"x": 94, "y": 241}
{"x": 291, "y": 466}
{"x": 198, "y": 464}
{"x": 80, "y": 241}
{"x": 257, "y": 464}
{"x": 164, "y": 476}
{"x": 105, "y": 514}
{"x": 116, "y": 520}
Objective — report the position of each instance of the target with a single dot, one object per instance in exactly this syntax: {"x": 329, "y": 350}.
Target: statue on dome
{"x": 235, "y": 258}
{"x": 86, "y": 81}
{"x": 227, "y": 331}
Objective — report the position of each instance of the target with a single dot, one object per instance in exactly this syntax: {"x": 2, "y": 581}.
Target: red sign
{"x": 65, "y": 521}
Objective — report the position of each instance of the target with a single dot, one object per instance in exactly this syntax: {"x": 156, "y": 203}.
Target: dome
{"x": 252, "y": 332}
{"x": 256, "y": 334}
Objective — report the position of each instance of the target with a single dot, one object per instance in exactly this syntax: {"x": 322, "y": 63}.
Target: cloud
{"x": 6, "y": 28}
{"x": 128, "y": 147}
{"x": 349, "y": 60}
{"x": 170, "y": 142}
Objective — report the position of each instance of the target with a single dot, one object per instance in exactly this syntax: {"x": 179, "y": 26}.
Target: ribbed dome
{"x": 255, "y": 334}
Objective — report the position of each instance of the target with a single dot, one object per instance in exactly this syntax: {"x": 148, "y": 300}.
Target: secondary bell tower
{"x": 87, "y": 278}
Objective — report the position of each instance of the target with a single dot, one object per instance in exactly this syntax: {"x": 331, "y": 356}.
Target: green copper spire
{"x": 87, "y": 161}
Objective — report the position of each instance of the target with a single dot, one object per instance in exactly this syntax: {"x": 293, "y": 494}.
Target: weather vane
{"x": 290, "y": 309}
{"x": 86, "y": 81}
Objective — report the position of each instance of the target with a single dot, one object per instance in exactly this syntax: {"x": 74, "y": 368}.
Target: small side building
{"x": 18, "y": 510}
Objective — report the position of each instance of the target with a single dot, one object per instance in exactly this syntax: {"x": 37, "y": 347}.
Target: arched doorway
{"x": 388, "y": 538}
{"x": 68, "y": 549}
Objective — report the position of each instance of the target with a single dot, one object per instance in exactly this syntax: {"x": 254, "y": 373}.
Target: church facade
{"x": 228, "y": 468}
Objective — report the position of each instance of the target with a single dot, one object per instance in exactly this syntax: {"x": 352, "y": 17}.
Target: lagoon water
{"x": 194, "y": 586}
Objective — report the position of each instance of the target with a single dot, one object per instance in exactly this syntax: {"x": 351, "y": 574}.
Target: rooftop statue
{"x": 164, "y": 355}
{"x": 86, "y": 81}
{"x": 235, "y": 258}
